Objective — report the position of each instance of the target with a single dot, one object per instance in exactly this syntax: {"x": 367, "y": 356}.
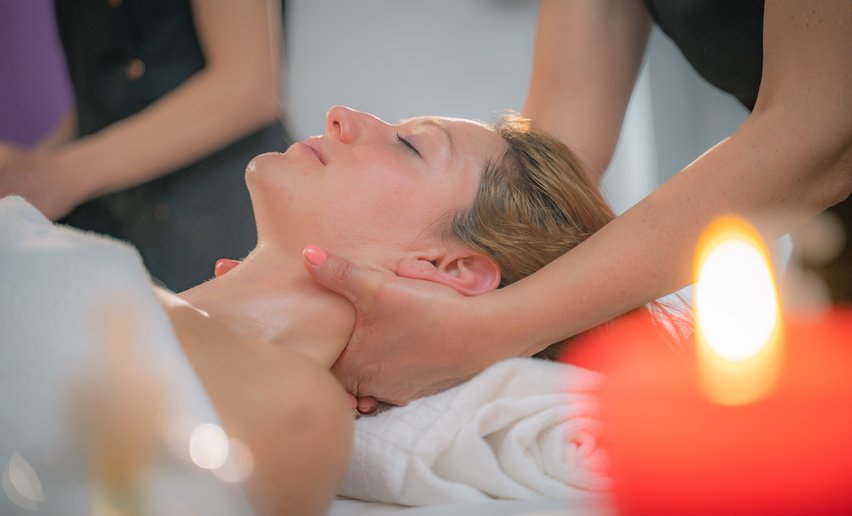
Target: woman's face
{"x": 366, "y": 188}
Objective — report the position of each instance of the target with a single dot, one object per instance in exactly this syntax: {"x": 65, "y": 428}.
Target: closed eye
{"x": 405, "y": 142}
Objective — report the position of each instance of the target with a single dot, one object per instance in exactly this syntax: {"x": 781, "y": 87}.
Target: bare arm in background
{"x": 791, "y": 159}
{"x": 587, "y": 57}
{"x": 235, "y": 93}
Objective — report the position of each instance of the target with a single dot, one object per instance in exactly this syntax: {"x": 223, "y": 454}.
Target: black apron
{"x": 123, "y": 55}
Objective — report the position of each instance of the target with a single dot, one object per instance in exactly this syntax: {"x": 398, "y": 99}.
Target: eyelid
{"x": 408, "y": 144}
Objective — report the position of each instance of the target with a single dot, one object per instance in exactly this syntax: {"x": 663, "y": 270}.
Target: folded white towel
{"x": 522, "y": 429}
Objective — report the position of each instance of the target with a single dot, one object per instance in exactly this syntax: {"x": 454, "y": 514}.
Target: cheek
{"x": 376, "y": 186}
{"x": 374, "y": 211}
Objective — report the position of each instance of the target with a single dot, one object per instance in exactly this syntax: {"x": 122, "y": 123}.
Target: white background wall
{"x": 472, "y": 58}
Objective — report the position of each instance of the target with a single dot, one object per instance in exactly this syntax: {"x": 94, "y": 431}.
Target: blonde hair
{"x": 533, "y": 204}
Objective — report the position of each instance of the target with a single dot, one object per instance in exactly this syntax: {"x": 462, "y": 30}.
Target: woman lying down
{"x": 451, "y": 201}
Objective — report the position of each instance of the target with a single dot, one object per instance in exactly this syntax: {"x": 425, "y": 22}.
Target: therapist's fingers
{"x": 223, "y": 266}
{"x": 367, "y": 405}
{"x": 356, "y": 283}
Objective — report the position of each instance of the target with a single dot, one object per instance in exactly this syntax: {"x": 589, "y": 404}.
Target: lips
{"x": 313, "y": 143}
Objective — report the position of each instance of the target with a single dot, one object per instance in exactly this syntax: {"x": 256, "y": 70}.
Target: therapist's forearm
{"x": 201, "y": 116}
{"x": 586, "y": 60}
{"x": 790, "y": 160}
{"x": 765, "y": 169}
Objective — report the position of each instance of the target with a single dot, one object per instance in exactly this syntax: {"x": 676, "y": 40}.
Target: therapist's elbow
{"x": 817, "y": 140}
{"x": 839, "y": 175}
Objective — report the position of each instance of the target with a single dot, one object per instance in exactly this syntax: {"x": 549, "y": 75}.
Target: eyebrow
{"x": 446, "y": 131}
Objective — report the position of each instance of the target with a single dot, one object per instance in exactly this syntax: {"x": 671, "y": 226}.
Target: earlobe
{"x": 468, "y": 273}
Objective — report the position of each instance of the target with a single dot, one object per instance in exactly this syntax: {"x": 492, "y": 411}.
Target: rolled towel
{"x": 522, "y": 429}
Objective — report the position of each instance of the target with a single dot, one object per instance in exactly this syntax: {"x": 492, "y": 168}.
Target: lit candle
{"x": 738, "y": 331}
{"x": 753, "y": 416}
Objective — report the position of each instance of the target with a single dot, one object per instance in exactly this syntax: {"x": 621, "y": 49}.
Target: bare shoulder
{"x": 286, "y": 407}
{"x": 188, "y": 322}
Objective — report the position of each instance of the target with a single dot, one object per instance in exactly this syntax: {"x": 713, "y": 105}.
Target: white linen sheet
{"x": 587, "y": 505}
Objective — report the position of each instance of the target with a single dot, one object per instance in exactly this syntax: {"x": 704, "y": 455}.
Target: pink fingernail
{"x": 314, "y": 254}
{"x": 366, "y": 410}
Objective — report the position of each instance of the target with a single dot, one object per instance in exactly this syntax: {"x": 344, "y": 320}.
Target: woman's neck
{"x": 269, "y": 298}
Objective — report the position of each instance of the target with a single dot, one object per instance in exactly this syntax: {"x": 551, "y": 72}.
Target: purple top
{"x": 34, "y": 88}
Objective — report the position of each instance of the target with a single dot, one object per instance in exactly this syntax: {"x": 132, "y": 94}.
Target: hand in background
{"x": 412, "y": 338}
{"x": 27, "y": 173}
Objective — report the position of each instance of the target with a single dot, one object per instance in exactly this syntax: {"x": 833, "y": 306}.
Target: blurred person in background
{"x": 171, "y": 99}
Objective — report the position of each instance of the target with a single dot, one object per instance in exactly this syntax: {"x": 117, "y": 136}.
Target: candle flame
{"x": 737, "y": 313}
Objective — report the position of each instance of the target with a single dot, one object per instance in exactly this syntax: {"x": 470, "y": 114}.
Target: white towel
{"x": 522, "y": 429}
{"x": 55, "y": 283}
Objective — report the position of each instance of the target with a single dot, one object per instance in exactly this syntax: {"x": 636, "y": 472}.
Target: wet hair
{"x": 533, "y": 204}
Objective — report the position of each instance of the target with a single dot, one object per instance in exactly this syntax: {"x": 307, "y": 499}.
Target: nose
{"x": 348, "y": 124}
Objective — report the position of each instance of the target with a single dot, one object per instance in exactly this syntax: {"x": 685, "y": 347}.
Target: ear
{"x": 467, "y": 272}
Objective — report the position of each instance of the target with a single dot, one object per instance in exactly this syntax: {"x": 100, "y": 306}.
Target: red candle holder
{"x": 672, "y": 450}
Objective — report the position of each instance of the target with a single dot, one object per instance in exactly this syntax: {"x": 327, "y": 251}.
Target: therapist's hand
{"x": 412, "y": 338}
{"x": 224, "y": 266}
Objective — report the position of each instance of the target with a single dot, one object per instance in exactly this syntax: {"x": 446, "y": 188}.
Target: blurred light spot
{"x": 238, "y": 465}
{"x": 21, "y": 483}
{"x": 736, "y": 307}
{"x": 208, "y": 446}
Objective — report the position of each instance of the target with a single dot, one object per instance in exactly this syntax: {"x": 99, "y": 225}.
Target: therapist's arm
{"x": 235, "y": 93}
{"x": 587, "y": 57}
{"x": 791, "y": 159}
